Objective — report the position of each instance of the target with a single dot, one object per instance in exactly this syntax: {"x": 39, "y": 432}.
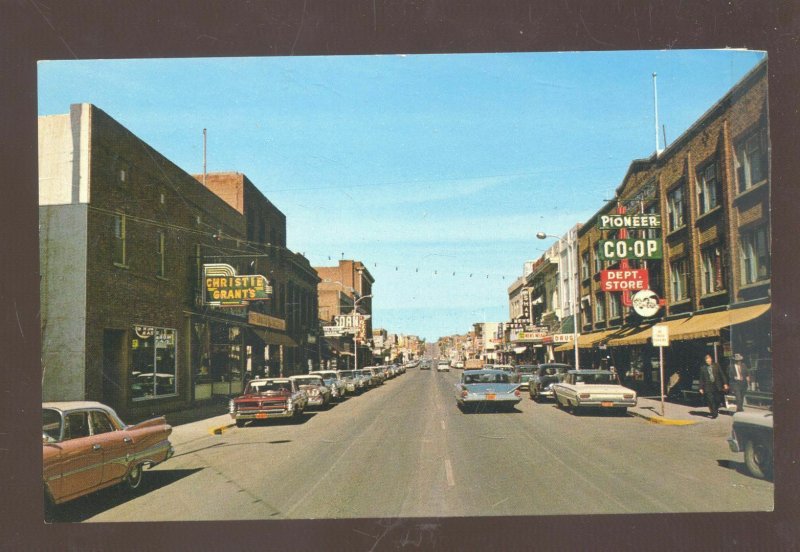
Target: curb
{"x": 663, "y": 421}
{"x": 217, "y": 430}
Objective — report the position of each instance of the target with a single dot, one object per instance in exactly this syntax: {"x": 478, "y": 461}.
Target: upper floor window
{"x": 161, "y": 251}
{"x": 751, "y": 160}
{"x": 709, "y": 188}
{"x": 119, "y": 249}
{"x": 679, "y": 279}
{"x": 676, "y": 208}
{"x": 614, "y": 305}
{"x": 598, "y": 263}
{"x": 712, "y": 270}
{"x": 585, "y": 265}
{"x": 754, "y": 254}
{"x": 600, "y": 307}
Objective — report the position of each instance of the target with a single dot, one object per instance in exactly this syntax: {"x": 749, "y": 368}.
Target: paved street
{"x": 406, "y": 450}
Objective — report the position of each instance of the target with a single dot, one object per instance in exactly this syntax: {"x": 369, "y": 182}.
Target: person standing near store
{"x": 712, "y": 384}
{"x": 739, "y": 378}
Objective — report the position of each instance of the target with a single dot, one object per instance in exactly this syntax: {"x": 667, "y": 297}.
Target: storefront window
{"x": 754, "y": 254}
{"x": 153, "y": 362}
{"x": 226, "y": 353}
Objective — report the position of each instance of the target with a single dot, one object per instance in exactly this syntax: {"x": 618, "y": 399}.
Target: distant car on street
{"x": 582, "y": 389}
{"x": 487, "y": 389}
{"x": 267, "y": 398}
{"x": 86, "y": 447}
{"x": 522, "y": 375}
{"x": 443, "y": 366}
{"x": 333, "y": 382}
{"x": 752, "y": 435}
{"x": 459, "y": 365}
{"x": 540, "y": 385}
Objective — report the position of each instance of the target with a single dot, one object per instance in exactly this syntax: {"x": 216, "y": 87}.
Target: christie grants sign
{"x": 224, "y": 288}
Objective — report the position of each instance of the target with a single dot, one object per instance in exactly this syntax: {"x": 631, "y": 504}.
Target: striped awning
{"x": 695, "y": 327}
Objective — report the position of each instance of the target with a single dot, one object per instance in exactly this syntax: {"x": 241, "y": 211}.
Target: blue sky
{"x": 420, "y": 166}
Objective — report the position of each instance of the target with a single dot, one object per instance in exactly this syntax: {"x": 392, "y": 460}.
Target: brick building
{"x": 340, "y": 287}
{"x": 711, "y": 188}
{"x": 124, "y": 235}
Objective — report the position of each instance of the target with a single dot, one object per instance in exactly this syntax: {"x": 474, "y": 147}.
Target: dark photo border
{"x": 32, "y": 30}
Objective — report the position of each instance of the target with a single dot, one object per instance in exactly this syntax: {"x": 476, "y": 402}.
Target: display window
{"x": 153, "y": 363}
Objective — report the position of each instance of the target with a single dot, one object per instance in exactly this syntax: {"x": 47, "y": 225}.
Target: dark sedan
{"x": 539, "y": 386}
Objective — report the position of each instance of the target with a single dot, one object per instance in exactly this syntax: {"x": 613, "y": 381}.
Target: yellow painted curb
{"x": 664, "y": 421}
{"x": 219, "y": 429}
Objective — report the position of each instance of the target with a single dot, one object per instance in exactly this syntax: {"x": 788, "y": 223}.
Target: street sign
{"x": 624, "y": 280}
{"x": 645, "y": 303}
{"x": 614, "y": 250}
{"x": 660, "y": 335}
{"x": 614, "y": 222}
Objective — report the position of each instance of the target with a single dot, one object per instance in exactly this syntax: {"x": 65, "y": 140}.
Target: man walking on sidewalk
{"x": 739, "y": 378}
{"x": 712, "y": 384}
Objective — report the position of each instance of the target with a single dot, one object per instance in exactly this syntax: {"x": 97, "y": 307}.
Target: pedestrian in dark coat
{"x": 739, "y": 378}
{"x": 713, "y": 382}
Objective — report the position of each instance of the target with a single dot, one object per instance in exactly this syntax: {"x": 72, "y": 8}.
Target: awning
{"x": 709, "y": 325}
{"x": 270, "y": 337}
{"x": 586, "y": 341}
{"x": 695, "y": 327}
{"x": 640, "y": 335}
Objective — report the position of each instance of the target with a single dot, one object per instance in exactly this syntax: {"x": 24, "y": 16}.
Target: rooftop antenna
{"x": 204, "y": 157}
{"x": 655, "y": 104}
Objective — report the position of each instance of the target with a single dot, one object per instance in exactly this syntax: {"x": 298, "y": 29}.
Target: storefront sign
{"x": 562, "y": 338}
{"x": 614, "y": 250}
{"x": 223, "y": 287}
{"x": 645, "y": 303}
{"x": 624, "y": 280}
{"x": 614, "y": 222}
{"x": 530, "y": 336}
{"x": 333, "y": 331}
{"x": 266, "y": 321}
{"x": 144, "y": 331}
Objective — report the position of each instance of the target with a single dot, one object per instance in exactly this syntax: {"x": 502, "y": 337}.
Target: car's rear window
{"x": 51, "y": 424}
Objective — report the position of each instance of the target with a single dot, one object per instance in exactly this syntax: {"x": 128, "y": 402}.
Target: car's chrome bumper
{"x": 606, "y": 403}
{"x": 262, "y": 414}
{"x": 734, "y": 444}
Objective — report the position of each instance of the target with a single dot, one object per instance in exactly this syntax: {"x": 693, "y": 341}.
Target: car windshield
{"x": 599, "y": 379}
{"x": 526, "y": 369}
{"x": 525, "y": 377}
{"x": 347, "y": 374}
{"x": 485, "y": 378}
{"x": 309, "y": 381}
{"x": 552, "y": 370}
{"x": 267, "y": 386}
{"x": 51, "y": 424}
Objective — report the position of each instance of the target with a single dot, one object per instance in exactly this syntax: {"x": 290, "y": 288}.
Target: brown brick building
{"x": 711, "y": 188}
{"x": 124, "y": 235}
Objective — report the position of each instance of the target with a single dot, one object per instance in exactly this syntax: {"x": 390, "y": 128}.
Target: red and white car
{"x": 266, "y": 398}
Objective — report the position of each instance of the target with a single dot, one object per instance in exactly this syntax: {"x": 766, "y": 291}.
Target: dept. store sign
{"x": 629, "y": 279}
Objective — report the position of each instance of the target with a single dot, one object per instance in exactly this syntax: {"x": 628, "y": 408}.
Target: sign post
{"x": 661, "y": 340}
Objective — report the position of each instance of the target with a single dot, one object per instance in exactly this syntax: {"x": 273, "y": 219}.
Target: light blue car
{"x": 487, "y": 389}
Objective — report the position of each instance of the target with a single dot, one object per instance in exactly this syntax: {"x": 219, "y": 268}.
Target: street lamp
{"x": 576, "y": 302}
{"x": 355, "y": 337}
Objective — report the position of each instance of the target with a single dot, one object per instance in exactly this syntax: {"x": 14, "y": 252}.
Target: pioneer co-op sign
{"x": 224, "y": 288}
{"x": 633, "y": 248}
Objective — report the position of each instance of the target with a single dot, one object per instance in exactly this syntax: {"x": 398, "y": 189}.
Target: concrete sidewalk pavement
{"x": 677, "y": 413}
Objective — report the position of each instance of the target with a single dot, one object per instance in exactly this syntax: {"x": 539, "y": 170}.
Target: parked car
{"x": 333, "y": 382}
{"x": 592, "y": 389}
{"x": 86, "y": 447}
{"x": 316, "y": 390}
{"x": 752, "y": 435}
{"x": 351, "y": 383}
{"x": 374, "y": 378}
{"x": 459, "y": 365}
{"x": 443, "y": 366}
{"x": 522, "y": 374}
{"x": 487, "y": 388}
{"x": 380, "y": 371}
{"x": 266, "y": 398}
{"x": 540, "y": 385}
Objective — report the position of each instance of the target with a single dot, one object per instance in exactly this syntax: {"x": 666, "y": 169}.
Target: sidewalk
{"x": 200, "y": 421}
{"x": 677, "y": 413}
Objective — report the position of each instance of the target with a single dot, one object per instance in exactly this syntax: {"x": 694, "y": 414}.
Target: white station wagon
{"x": 592, "y": 388}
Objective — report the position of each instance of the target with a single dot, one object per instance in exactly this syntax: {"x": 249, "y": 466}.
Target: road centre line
{"x": 448, "y": 469}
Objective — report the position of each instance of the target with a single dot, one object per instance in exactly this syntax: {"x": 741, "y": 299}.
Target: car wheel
{"x": 558, "y": 402}
{"x": 134, "y": 477}
{"x": 758, "y": 458}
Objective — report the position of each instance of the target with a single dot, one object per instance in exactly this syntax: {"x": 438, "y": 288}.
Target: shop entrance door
{"x": 113, "y": 347}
